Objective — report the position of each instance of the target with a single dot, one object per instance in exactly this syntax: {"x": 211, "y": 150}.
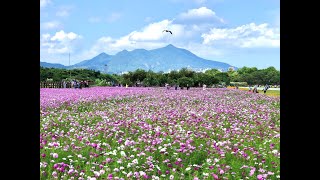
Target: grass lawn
{"x": 275, "y": 93}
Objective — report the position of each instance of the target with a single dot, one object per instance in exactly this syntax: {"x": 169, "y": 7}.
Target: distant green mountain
{"x": 162, "y": 59}
{"x": 52, "y": 65}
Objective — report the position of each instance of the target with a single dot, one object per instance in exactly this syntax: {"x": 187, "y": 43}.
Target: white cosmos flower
{"x": 163, "y": 149}
{"x": 129, "y": 165}
{"x": 135, "y": 161}
{"x": 209, "y": 160}
{"x": 96, "y": 173}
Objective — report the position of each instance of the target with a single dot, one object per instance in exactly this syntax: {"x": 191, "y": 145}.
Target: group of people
{"x": 76, "y": 84}
{"x": 176, "y": 86}
{"x": 255, "y": 88}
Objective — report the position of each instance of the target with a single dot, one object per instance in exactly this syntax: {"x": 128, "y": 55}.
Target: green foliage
{"x": 223, "y": 77}
{"x": 102, "y": 82}
{"x": 182, "y": 77}
{"x": 212, "y": 72}
{"x": 151, "y": 79}
{"x": 243, "y": 84}
{"x": 184, "y": 81}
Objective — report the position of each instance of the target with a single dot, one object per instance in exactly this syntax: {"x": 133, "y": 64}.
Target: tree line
{"x": 182, "y": 77}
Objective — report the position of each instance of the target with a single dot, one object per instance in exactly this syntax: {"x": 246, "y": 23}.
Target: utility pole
{"x": 106, "y": 68}
{"x": 69, "y": 67}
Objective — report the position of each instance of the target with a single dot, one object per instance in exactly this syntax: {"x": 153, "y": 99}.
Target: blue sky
{"x": 241, "y": 33}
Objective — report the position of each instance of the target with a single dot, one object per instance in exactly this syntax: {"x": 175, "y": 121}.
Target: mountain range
{"x": 162, "y": 59}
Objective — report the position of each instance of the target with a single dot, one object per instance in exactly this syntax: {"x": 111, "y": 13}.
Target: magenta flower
{"x": 94, "y": 145}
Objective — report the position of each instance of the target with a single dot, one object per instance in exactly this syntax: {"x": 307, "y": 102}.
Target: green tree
{"x": 184, "y": 81}
{"x": 223, "y": 77}
{"x": 138, "y": 75}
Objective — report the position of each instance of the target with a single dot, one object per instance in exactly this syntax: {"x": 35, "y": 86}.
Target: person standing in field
{"x": 204, "y": 87}
{"x": 188, "y": 87}
{"x": 266, "y": 87}
{"x": 255, "y": 89}
{"x": 250, "y": 88}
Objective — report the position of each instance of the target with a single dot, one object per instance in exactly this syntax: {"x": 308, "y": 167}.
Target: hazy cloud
{"x": 44, "y": 3}
{"x": 50, "y": 25}
{"x": 94, "y": 19}
{"x": 60, "y": 42}
{"x": 202, "y": 15}
{"x": 114, "y": 17}
{"x": 245, "y": 36}
{"x": 64, "y": 11}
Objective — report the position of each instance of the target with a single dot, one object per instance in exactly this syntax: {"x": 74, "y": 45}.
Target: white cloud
{"x": 202, "y": 15}
{"x": 64, "y": 11}
{"x": 44, "y": 3}
{"x": 151, "y": 32}
{"x": 203, "y": 39}
{"x": 152, "y": 36}
{"x": 50, "y": 25}
{"x": 59, "y": 43}
{"x": 114, "y": 17}
{"x": 246, "y": 36}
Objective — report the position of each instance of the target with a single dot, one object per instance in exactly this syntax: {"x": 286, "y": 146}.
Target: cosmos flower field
{"x": 154, "y": 133}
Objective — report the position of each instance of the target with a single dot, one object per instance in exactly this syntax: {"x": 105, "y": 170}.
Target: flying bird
{"x": 167, "y": 31}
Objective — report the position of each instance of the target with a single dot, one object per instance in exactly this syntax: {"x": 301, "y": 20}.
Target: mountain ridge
{"x": 161, "y": 59}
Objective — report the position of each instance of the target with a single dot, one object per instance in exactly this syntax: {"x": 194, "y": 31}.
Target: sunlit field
{"x": 275, "y": 93}
{"x": 269, "y": 92}
{"x": 154, "y": 133}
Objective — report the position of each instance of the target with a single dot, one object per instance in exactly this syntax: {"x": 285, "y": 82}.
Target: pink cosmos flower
{"x": 252, "y": 171}
{"x": 108, "y": 160}
{"x": 215, "y": 176}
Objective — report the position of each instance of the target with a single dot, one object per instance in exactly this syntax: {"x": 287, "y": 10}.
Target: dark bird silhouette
{"x": 167, "y": 31}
